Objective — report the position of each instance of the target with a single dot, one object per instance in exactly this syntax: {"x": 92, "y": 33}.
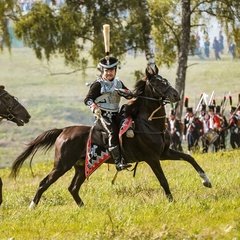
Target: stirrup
{"x": 123, "y": 166}
{"x": 130, "y": 133}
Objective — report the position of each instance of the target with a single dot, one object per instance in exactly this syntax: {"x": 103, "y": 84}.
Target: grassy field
{"x": 134, "y": 208}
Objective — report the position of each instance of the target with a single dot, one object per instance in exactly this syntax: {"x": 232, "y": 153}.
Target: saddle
{"x": 96, "y": 150}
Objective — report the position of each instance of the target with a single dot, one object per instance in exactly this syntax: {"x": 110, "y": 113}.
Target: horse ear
{"x": 149, "y": 72}
{"x": 156, "y": 69}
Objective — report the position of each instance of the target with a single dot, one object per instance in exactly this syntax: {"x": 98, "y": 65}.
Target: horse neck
{"x": 2, "y": 108}
{"x": 154, "y": 113}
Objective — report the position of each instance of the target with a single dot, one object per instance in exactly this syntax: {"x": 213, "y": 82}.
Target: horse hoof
{"x": 170, "y": 198}
{"x": 81, "y": 204}
{"x": 207, "y": 184}
{"x": 32, "y": 205}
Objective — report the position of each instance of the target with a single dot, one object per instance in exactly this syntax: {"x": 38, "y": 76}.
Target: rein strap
{"x": 151, "y": 116}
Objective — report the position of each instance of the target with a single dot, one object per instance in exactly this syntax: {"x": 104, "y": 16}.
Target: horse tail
{"x": 44, "y": 141}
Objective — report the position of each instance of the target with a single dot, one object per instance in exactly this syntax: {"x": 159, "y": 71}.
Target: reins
{"x": 160, "y": 100}
{"x": 150, "y": 98}
{"x": 150, "y": 118}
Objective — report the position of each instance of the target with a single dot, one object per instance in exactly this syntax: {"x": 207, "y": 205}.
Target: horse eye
{"x": 165, "y": 81}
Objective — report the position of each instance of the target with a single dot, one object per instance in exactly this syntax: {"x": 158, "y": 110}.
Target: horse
{"x": 150, "y": 143}
{"x": 12, "y": 110}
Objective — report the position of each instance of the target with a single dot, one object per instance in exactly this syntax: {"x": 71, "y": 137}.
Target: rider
{"x": 103, "y": 99}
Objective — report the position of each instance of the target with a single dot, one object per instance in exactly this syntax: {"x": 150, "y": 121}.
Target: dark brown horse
{"x": 150, "y": 143}
{"x": 12, "y": 110}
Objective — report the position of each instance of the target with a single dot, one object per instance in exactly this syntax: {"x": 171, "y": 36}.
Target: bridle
{"x": 161, "y": 100}
{"x": 9, "y": 116}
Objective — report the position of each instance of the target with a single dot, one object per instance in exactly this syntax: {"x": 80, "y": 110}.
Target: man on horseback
{"x": 103, "y": 99}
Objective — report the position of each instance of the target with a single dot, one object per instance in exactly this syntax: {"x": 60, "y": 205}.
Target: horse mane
{"x": 132, "y": 108}
{"x": 140, "y": 86}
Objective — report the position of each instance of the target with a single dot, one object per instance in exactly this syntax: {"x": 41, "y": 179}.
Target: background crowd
{"x": 217, "y": 45}
{"x": 206, "y": 129}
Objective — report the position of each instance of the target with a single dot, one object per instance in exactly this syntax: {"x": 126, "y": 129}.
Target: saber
{"x": 104, "y": 123}
{"x": 115, "y": 177}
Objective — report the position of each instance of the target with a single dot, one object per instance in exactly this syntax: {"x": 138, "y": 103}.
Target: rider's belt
{"x": 113, "y": 107}
{"x": 109, "y": 114}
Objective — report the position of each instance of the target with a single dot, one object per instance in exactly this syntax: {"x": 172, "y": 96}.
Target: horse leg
{"x": 157, "y": 169}
{"x": 77, "y": 181}
{"x": 175, "y": 155}
{"x": 46, "y": 183}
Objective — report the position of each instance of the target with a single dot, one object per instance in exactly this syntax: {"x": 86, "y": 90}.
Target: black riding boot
{"x": 116, "y": 155}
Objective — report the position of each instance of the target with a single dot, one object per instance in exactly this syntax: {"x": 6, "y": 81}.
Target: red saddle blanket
{"x": 97, "y": 155}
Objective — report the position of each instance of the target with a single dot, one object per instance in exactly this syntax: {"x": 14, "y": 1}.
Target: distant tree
{"x": 65, "y": 30}
{"x": 228, "y": 14}
{"x": 6, "y": 9}
{"x": 173, "y": 23}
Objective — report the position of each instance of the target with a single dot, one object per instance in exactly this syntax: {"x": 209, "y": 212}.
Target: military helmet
{"x": 233, "y": 109}
{"x": 107, "y": 63}
{"x": 173, "y": 112}
{"x": 211, "y": 108}
{"x": 189, "y": 110}
{"x": 218, "y": 109}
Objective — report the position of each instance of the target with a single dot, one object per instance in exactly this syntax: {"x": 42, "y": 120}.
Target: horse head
{"x": 160, "y": 88}
{"x": 11, "y": 109}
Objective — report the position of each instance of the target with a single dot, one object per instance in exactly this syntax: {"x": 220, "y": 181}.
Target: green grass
{"x": 133, "y": 208}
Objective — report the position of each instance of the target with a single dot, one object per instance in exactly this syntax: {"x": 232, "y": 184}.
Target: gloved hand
{"x": 97, "y": 112}
{"x": 124, "y": 93}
